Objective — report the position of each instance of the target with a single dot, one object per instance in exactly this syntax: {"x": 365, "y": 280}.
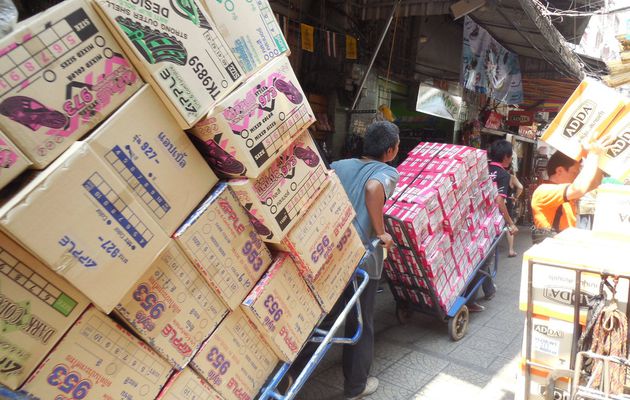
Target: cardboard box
{"x": 187, "y": 385}
{"x": 538, "y": 386}
{"x": 38, "y": 308}
{"x": 105, "y": 361}
{"x": 12, "y": 161}
{"x": 612, "y": 210}
{"x": 408, "y": 223}
{"x": 235, "y": 360}
{"x": 95, "y": 229}
{"x": 586, "y": 114}
{"x": 338, "y": 270}
{"x": 282, "y": 308}
{"x": 61, "y": 73}
{"x": 178, "y": 50}
{"x": 277, "y": 199}
{"x": 616, "y": 161}
{"x": 222, "y": 244}
{"x": 245, "y": 133}
{"x": 552, "y": 340}
{"x": 313, "y": 238}
{"x": 250, "y": 29}
{"x": 172, "y": 307}
{"x": 145, "y": 147}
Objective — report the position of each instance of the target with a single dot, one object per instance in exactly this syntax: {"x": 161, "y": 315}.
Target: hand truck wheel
{"x": 458, "y": 325}
{"x": 403, "y": 313}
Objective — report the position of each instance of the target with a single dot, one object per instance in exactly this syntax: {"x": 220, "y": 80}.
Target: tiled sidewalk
{"x": 419, "y": 361}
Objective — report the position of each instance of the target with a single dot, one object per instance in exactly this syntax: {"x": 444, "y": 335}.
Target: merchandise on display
{"x": 12, "y": 161}
{"x": 145, "y": 147}
{"x": 96, "y": 229}
{"x": 62, "y": 73}
{"x": 248, "y": 130}
{"x": 187, "y": 385}
{"x": 178, "y": 50}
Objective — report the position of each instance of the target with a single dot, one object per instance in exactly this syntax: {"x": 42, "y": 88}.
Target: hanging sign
{"x": 351, "y": 48}
{"x": 307, "y": 33}
{"x": 438, "y": 102}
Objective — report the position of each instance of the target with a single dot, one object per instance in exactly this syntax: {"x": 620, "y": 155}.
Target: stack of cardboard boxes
{"x": 444, "y": 209}
{"x": 208, "y": 284}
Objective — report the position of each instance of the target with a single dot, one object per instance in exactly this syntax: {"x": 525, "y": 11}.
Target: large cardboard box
{"x": 277, "y": 198}
{"x": 178, "y": 50}
{"x": 98, "y": 359}
{"x": 246, "y": 132}
{"x": 552, "y": 340}
{"x": 283, "y": 308}
{"x": 315, "y": 236}
{"x": 146, "y": 148}
{"x": 338, "y": 270}
{"x": 616, "y": 161}
{"x": 612, "y": 210}
{"x": 250, "y": 29}
{"x": 222, "y": 244}
{"x": 186, "y": 385}
{"x": 85, "y": 224}
{"x": 539, "y": 386}
{"x": 12, "y": 161}
{"x": 235, "y": 360}
{"x": 38, "y": 307}
{"x": 172, "y": 307}
{"x": 61, "y": 73}
{"x": 586, "y": 114}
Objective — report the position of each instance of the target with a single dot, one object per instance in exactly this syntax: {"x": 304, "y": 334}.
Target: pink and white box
{"x": 434, "y": 264}
{"x": 412, "y": 219}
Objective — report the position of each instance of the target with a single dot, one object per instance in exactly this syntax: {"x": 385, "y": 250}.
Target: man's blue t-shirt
{"x": 354, "y": 174}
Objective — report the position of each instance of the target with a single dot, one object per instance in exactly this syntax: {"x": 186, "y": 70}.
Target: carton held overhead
{"x": 177, "y": 49}
{"x": 61, "y": 73}
{"x": 95, "y": 230}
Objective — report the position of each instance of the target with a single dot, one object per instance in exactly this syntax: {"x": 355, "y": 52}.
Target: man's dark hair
{"x": 499, "y": 149}
{"x": 379, "y": 137}
{"x": 559, "y": 159}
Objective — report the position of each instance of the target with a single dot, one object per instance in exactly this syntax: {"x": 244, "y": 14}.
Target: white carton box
{"x": 283, "y": 308}
{"x": 337, "y": 271}
{"x": 279, "y": 196}
{"x": 98, "y": 359}
{"x": 235, "y": 360}
{"x": 538, "y": 386}
{"x": 250, "y": 29}
{"x": 616, "y": 161}
{"x": 186, "y": 385}
{"x": 552, "y": 340}
{"x": 146, "y": 148}
{"x": 61, "y": 73}
{"x": 38, "y": 307}
{"x": 178, "y": 50}
{"x": 314, "y": 237}
{"x": 172, "y": 307}
{"x": 612, "y": 210}
{"x": 586, "y": 114}
{"x": 222, "y": 244}
{"x": 95, "y": 230}
{"x": 12, "y": 161}
{"x": 246, "y": 132}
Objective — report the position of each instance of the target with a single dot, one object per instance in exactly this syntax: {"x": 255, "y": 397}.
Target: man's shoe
{"x": 370, "y": 387}
{"x": 490, "y": 296}
{"x": 475, "y": 307}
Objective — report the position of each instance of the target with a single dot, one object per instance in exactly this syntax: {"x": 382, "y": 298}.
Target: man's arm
{"x": 590, "y": 176}
{"x": 500, "y": 201}
{"x": 515, "y": 183}
{"x": 374, "y": 201}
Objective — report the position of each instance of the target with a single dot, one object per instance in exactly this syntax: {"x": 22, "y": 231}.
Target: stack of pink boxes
{"x": 444, "y": 209}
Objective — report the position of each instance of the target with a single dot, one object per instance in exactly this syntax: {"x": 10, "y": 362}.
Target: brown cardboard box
{"x": 552, "y": 340}
{"x": 186, "y": 385}
{"x": 172, "y": 307}
{"x": 38, "y": 307}
{"x": 235, "y": 360}
{"x": 250, "y": 29}
{"x": 612, "y": 210}
{"x": 313, "y": 238}
{"x": 245, "y": 133}
{"x": 586, "y": 114}
{"x": 177, "y": 49}
{"x": 222, "y": 244}
{"x": 616, "y": 161}
{"x": 98, "y": 359}
{"x": 84, "y": 223}
{"x": 283, "y": 308}
{"x": 281, "y": 194}
{"x": 146, "y": 148}
{"x": 61, "y": 73}
{"x": 337, "y": 271}
{"x": 12, "y": 161}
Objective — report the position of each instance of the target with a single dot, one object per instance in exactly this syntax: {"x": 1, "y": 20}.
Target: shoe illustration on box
{"x": 290, "y": 91}
{"x": 31, "y": 113}
{"x": 154, "y": 45}
{"x": 307, "y": 155}
{"x": 189, "y": 10}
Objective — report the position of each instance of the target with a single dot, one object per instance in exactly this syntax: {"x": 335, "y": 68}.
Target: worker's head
{"x": 501, "y": 152}
{"x": 381, "y": 141}
{"x": 562, "y": 168}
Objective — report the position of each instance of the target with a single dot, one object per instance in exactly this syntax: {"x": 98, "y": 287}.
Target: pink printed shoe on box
{"x": 307, "y": 155}
{"x": 31, "y": 113}
{"x": 290, "y": 91}
{"x": 223, "y": 161}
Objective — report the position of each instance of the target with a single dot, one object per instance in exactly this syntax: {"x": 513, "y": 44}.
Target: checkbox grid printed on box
{"x": 218, "y": 267}
{"x": 273, "y": 143}
{"x": 308, "y": 188}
